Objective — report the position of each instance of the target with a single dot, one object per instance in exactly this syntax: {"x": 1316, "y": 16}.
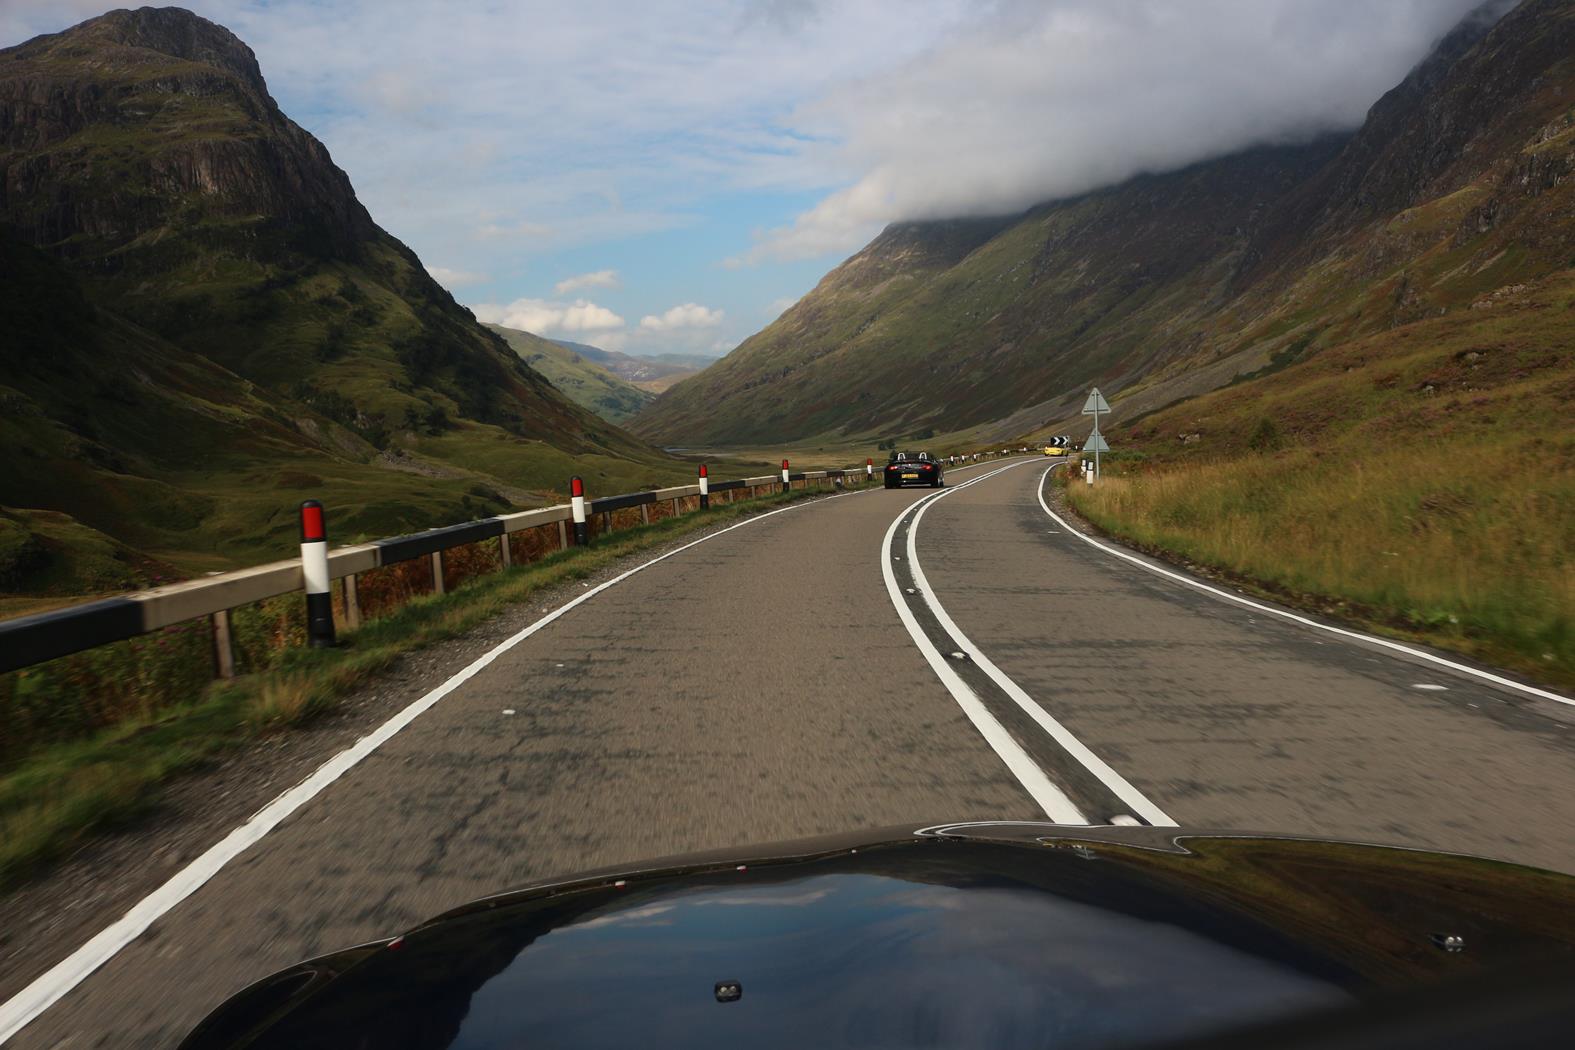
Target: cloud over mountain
{"x": 1034, "y": 101}
{"x": 541, "y": 316}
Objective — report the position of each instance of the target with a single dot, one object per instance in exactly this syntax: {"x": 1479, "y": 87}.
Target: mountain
{"x": 1174, "y": 284}
{"x": 653, "y": 373}
{"x": 586, "y": 382}
{"x": 204, "y": 325}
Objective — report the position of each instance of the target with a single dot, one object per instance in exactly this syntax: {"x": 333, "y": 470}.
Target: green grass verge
{"x": 1419, "y": 481}
{"x": 53, "y": 800}
{"x": 1425, "y": 543}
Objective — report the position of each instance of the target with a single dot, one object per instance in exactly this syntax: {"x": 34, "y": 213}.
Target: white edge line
{"x": 1420, "y": 654}
{"x": 1118, "y": 784}
{"x": 1050, "y": 798}
{"x": 54, "y": 984}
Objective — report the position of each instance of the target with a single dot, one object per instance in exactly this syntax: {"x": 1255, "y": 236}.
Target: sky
{"x": 667, "y": 176}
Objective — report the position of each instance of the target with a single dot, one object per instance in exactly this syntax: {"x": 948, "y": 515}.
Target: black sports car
{"x": 997, "y": 934}
{"x": 914, "y": 468}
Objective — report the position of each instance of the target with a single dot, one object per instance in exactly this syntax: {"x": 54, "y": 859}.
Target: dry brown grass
{"x": 1468, "y": 547}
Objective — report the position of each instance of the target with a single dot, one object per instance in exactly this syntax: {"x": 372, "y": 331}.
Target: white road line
{"x": 1305, "y": 621}
{"x": 1050, "y": 798}
{"x": 24, "y": 1007}
{"x": 1060, "y": 734}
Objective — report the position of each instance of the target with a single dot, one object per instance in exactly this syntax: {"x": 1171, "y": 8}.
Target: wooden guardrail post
{"x": 437, "y": 572}
{"x": 505, "y": 553}
{"x": 352, "y": 597}
{"x": 223, "y": 645}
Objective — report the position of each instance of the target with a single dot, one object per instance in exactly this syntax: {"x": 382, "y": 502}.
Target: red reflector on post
{"x": 703, "y": 474}
{"x": 312, "y": 525}
{"x": 784, "y": 464}
{"x": 869, "y": 462}
{"x": 576, "y": 487}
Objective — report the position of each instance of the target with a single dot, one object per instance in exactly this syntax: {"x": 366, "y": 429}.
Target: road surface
{"x": 777, "y": 680}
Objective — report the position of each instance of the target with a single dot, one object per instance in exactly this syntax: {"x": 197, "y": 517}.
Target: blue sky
{"x": 668, "y": 175}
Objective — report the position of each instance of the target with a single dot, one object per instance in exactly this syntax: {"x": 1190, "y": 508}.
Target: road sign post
{"x": 1096, "y": 404}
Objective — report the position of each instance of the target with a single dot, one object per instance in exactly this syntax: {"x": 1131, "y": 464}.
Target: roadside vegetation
{"x": 1421, "y": 481}
{"x": 87, "y": 741}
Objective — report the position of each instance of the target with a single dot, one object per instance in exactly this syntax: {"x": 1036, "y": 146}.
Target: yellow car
{"x": 1051, "y": 450}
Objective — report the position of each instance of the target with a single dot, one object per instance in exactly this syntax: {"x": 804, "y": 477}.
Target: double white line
{"x": 1050, "y": 797}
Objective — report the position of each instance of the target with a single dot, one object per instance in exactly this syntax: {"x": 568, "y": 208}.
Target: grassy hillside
{"x": 205, "y": 326}
{"x": 1172, "y": 285}
{"x": 1421, "y": 479}
{"x": 586, "y": 383}
{"x": 652, "y": 374}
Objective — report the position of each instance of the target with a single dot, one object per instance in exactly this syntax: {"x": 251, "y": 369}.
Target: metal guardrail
{"x": 29, "y": 640}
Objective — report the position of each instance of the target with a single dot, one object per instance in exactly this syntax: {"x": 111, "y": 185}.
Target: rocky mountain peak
{"x": 176, "y": 32}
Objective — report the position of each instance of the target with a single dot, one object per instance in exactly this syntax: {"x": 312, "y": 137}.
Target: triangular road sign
{"x": 1095, "y": 403}
{"x": 1096, "y": 443}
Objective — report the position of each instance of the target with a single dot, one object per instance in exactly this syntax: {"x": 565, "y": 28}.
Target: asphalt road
{"x": 763, "y": 685}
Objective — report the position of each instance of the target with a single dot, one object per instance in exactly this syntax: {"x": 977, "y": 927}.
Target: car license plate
{"x": 910, "y": 477}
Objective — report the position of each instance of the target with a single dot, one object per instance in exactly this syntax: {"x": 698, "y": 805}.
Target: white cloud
{"x": 541, "y": 316}
{"x": 452, "y": 279}
{"x": 688, "y": 315}
{"x": 1036, "y": 101}
{"x": 493, "y": 231}
{"x": 601, "y": 122}
{"x": 596, "y": 279}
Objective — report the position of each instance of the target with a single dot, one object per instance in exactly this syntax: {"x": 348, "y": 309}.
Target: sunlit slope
{"x": 1168, "y": 286}
{"x": 582, "y": 380}
{"x": 1422, "y": 478}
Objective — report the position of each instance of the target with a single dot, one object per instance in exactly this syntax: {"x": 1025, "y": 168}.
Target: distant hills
{"x": 652, "y": 372}
{"x": 574, "y": 369}
{"x": 203, "y": 325}
{"x": 1456, "y": 189}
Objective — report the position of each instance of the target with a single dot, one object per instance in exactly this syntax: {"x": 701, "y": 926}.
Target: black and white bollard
{"x": 705, "y": 489}
{"x": 582, "y": 531}
{"x": 869, "y": 469}
{"x": 314, "y": 571}
{"x": 785, "y": 483}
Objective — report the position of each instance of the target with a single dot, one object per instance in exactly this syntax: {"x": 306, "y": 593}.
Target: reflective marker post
{"x": 785, "y": 483}
{"x": 582, "y": 532}
{"x": 705, "y": 489}
{"x": 869, "y": 469}
{"x": 314, "y": 571}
